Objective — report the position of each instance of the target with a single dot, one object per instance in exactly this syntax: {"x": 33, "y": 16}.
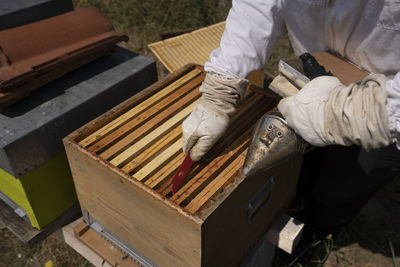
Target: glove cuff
{"x": 393, "y": 108}
{"x": 222, "y": 94}
{"x": 357, "y": 114}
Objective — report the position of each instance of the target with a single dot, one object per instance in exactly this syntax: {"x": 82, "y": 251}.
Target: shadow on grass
{"x": 377, "y": 226}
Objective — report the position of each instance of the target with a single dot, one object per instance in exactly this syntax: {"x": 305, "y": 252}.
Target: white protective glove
{"x": 327, "y": 112}
{"x": 210, "y": 118}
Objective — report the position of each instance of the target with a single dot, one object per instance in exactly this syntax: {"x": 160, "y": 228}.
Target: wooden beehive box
{"x": 122, "y": 164}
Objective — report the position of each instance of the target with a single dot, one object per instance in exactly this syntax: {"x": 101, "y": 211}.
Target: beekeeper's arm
{"x": 327, "y": 112}
{"x": 251, "y": 30}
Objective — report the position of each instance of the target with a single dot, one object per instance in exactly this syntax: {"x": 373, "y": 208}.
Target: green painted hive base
{"x": 44, "y": 193}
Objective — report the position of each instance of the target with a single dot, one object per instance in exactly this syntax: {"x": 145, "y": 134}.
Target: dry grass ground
{"x": 52, "y": 251}
{"x": 372, "y": 240}
{"x": 143, "y": 21}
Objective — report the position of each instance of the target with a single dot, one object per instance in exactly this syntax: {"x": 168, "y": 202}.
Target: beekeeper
{"x": 325, "y": 112}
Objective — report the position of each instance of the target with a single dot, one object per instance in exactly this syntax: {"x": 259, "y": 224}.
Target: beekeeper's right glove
{"x": 210, "y": 118}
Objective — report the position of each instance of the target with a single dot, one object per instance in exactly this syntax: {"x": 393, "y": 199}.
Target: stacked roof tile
{"x": 35, "y": 54}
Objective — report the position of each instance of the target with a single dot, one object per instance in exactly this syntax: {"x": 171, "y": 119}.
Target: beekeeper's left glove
{"x": 327, "y": 112}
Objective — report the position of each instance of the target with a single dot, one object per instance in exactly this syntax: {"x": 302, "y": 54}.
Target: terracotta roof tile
{"x": 35, "y": 54}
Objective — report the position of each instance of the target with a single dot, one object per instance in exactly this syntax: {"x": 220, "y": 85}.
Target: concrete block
{"x": 14, "y": 13}
{"x": 32, "y": 129}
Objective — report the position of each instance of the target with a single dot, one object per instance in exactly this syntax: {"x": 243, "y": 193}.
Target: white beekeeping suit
{"x": 367, "y": 32}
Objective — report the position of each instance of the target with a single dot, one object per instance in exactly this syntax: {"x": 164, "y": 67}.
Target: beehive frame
{"x": 145, "y": 142}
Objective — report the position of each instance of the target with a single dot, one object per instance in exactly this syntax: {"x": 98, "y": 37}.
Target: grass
{"x": 143, "y": 21}
{"x": 51, "y": 251}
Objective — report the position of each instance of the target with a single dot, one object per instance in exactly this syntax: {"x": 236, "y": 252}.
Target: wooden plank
{"x": 159, "y": 161}
{"x": 256, "y": 77}
{"x": 80, "y": 228}
{"x": 139, "y": 108}
{"x": 152, "y": 124}
{"x": 151, "y": 118}
{"x": 167, "y": 171}
{"x": 144, "y": 142}
{"x": 111, "y": 254}
{"x": 339, "y": 67}
{"x": 66, "y": 233}
{"x": 147, "y": 154}
{"x": 347, "y": 72}
{"x": 211, "y": 170}
{"x": 285, "y": 233}
{"x": 126, "y": 207}
{"x": 212, "y": 188}
{"x": 126, "y": 105}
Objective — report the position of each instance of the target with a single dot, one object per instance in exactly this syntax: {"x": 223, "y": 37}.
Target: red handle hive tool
{"x": 181, "y": 173}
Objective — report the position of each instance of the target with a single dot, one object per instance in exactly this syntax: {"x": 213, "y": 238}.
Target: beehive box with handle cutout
{"x": 122, "y": 164}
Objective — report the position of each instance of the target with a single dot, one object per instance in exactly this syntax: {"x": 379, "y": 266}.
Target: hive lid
{"x": 193, "y": 47}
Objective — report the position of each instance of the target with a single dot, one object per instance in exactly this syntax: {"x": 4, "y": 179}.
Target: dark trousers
{"x": 337, "y": 181}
